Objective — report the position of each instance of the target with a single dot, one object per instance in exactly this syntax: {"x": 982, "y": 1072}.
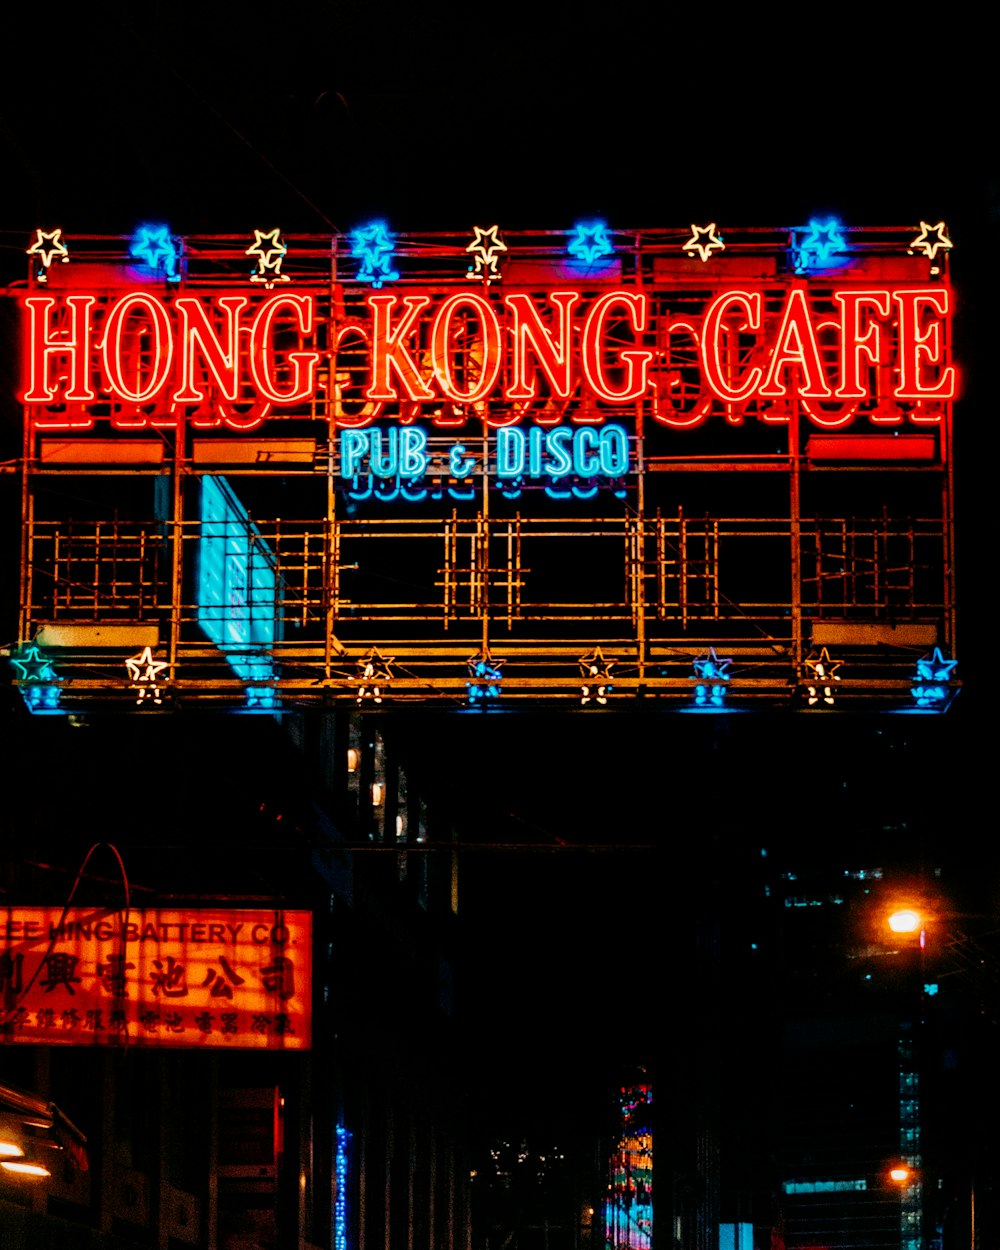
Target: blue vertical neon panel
{"x": 238, "y": 591}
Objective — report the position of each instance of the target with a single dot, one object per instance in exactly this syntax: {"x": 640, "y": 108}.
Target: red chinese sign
{"x": 237, "y": 979}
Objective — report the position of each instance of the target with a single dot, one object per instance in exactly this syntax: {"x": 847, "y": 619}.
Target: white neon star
{"x": 270, "y": 251}
{"x": 931, "y": 240}
{"x": 143, "y": 669}
{"x": 704, "y": 250}
{"x": 269, "y": 247}
{"x": 47, "y": 246}
{"x": 485, "y": 250}
{"x": 823, "y": 667}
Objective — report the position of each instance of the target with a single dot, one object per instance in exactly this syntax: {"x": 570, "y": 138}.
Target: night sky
{"x": 215, "y": 119}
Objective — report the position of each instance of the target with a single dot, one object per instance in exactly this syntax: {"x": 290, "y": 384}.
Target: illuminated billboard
{"x": 236, "y": 979}
{"x": 704, "y": 466}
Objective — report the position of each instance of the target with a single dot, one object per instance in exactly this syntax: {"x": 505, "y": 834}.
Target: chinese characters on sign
{"x": 156, "y": 978}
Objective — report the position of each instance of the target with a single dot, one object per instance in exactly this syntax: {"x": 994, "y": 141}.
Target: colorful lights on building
{"x": 629, "y": 1209}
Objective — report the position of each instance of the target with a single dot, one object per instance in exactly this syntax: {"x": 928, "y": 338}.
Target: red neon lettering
{"x": 665, "y": 411}
{"x": 860, "y": 338}
{"x": 264, "y": 367}
{"x": 388, "y": 350}
{"x": 921, "y": 348}
{"x": 198, "y": 335}
{"x": 151, "y": 318}
{"x": 552, "y": 353}
{"x": 796, "y": 345}
{"x": 636, "y": 360}
{"x": 45, "y": 343}
{"x": 489, "y": 345}
{"x": 718, "y": 369}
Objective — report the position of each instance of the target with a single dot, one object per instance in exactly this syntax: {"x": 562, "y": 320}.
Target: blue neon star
{"x": 710, "y": 668}
{"x": 373, "y": 245}
{"x": 590, "y": 242}
{"x": 935, "y": 667}
{"x": 485, "y": 671}
{"x": 33, "y": 665}
{"x": 38, "y": 674}
{"x": 154, "y": 246}
{"x": 821, "y": 244}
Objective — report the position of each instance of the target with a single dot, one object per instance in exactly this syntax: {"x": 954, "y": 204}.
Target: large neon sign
{"x": 641, "y": 444}
{"x": 230, "y": 360}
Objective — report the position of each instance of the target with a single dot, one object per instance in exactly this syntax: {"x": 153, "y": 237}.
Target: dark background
{"x": 220, "y": 119}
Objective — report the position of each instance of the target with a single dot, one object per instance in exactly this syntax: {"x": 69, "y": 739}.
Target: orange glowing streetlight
{"x": 905, "y": 920}
{"x": 900, "y": 1173}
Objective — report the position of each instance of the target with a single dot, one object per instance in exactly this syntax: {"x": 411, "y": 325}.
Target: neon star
{"x": 935, "y": 667}
{"x": 154, "y": 246}
{"x": 270, "y": 251}
{"x": 373, "y": 245}
{"x": 374, "y": 673}
{"x": 485, "y": 671}
{"x": 47, "y": 246}
{"x": 823, "y": 673}
{"x": 590, "y": 242}
{"x": 822, "y": 666}
{"x": 485, "y": 249}
{"x": 33, "y": 665}
{"x": 144, "y": 673}
{"x": 931, "y": 240}
{"x": 704, "y": 250}
{"x": 710, "y": 668}
{"x": 821, "y": 244}
{"x": 596, "y": 673}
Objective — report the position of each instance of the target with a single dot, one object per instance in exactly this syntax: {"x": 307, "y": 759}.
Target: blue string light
{"x": 340, "y": 1201}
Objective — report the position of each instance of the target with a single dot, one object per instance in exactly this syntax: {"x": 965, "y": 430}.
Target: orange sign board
{"x": 195, "y": 978}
